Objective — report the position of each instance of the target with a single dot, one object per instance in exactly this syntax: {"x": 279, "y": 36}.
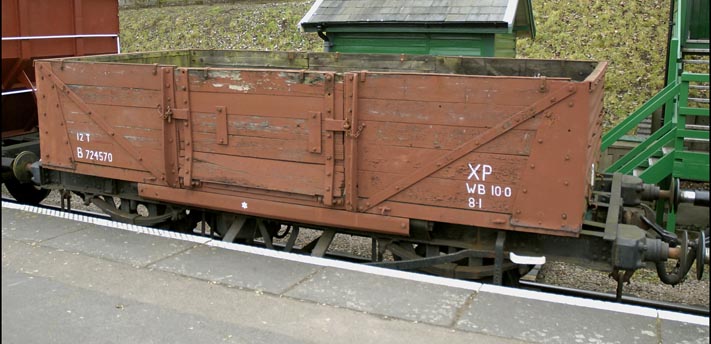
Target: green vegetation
{"x": 245, "y": 25}
{"x": 629, "y": 34}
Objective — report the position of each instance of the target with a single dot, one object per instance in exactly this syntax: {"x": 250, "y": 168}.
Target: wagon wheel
{"x": 19, "y": 182}
{"x": 147, "y": 214}
{"x": 451, "y": 262}
{"x": 26, "y": 193}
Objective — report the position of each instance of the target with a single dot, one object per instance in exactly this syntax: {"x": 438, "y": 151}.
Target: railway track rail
{"x": 527, "y": 282}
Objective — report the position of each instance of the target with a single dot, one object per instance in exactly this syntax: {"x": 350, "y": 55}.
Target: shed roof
{"x": 514, "y": 15}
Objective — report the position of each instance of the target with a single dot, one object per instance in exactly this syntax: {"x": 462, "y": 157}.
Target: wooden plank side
{"x": 446, "y": 193}
{"x": 371, "y": 62}
{"x": 482, "y": 182}
{"x": 107, "y": 75}
{"x": 134, "y": 122}
{"x": 91, "y": 145}
{"x": 442, "y": 138}
{"x": 299, "y": 178}
{"x": 575, "y": 70}
{"x": 254, "y": 126}
{"x": 118, "y": 96}
{"x": 249, "y": 59}
{"x": 510, "y": 91}
{"x": 257, "y": 147}
{"x": 243, "y": 81}
{"x": 403, "y": 161}
{"x": 479, "y": 115}
{"x": 256, "y": 104}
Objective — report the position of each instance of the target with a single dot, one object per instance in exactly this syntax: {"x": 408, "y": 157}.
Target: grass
{"x": 244, "y": 25}
{"x": 630, "y": 34}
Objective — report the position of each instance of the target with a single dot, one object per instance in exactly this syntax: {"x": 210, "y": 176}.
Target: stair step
{"x": 697, "y": 41}
{"x": 695, "y": 61}
{"x": 637, "y": 171}
{"x": 699, "y": 87}
{"x": 652, "y": 161}
{"x": 695, "y": 51}
{"x": 690, "y": 139}
{"x": 667, "y": 150}
{"x": 696, "y": 127}
{"x": 699, "y": 100}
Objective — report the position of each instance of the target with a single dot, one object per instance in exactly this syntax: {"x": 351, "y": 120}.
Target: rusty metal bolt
{"x": 564, "y": 216}
{"x": 525, "y": 190}
{"x": 540, "y": 140}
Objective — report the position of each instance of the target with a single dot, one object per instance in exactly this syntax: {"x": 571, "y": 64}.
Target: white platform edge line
{"x": 473, "y": 286}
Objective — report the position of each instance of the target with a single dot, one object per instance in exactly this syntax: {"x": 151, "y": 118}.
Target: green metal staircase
{"x": 680, "y": 147}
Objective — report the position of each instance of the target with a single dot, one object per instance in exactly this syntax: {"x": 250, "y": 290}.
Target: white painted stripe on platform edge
{"x": 107, "y": 223}
{"x": 473, "y": 286}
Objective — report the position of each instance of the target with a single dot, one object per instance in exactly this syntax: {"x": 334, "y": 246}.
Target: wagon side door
{"x": 269, "y": 133}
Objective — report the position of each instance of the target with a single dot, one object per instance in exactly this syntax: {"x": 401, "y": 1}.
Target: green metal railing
{"x": 664, "y": 155}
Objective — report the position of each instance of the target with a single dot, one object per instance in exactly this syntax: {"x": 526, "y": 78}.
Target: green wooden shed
{"x": 430, "y": 27}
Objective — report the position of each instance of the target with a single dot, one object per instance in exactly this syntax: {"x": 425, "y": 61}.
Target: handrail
{"x": 661, "y": 98}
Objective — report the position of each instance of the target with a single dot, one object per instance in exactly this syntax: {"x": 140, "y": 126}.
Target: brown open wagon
{"x": 367, "y": 142}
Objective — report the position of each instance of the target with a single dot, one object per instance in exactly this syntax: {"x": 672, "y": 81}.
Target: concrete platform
{"x": 97, "y": 281}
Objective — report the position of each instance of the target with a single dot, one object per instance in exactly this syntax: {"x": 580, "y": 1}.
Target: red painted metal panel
{"x": 29, "y": 31}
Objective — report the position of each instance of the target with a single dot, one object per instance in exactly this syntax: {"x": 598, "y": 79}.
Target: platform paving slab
{"x": 238, "y": 269}
{"x": 158, "y": 299}
{"x": 114, "y": 244}
{"x": 683, "y": 333}
{"x": 86, "y": 316}
{"x": 540, "y": 321}
{"x": 22, "y": 225}
{"x": 399, "y": 298}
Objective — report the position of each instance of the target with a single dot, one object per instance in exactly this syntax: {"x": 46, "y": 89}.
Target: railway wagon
{"x": 303, "y": 137}
{"x": 432, "y": 157}
{"x": 34, "y": 29}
